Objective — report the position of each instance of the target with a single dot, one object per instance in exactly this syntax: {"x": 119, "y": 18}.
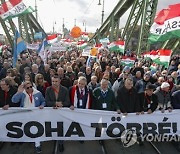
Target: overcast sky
{"x": 52, "y": 12}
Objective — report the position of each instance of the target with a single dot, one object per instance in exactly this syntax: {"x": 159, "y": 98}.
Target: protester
{"x": 80, "y": 96}
{"x": 103, "y": 98}
{"x": 57, "y": 96}
{"x": 163, "y": 95}
{"x": 148, "y": 100}
{"x": 127, "y": 98}
{"x": 29, "y": 97}
{"x": 41, "y": 84}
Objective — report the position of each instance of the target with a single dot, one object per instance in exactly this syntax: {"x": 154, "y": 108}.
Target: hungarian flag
{"x": 127, "y": 61}
{"x": 117, "y": 46}
{"x": 13, "y": 8}
{"x": 152, "y": 54}
{"x": 166, "y": 25}
{"x": 82, "y": 44}
{"x": 52, "y": 38}
{"x": 164, "y": 57}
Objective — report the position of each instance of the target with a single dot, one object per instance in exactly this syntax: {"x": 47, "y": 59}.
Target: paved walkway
{"x": 90, "y": 147}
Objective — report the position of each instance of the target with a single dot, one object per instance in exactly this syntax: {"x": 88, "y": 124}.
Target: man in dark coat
{"x": 6, "y": 93}
{"x": 127, "y": 98}
{"x": 57, "y": 96}
{"x": 148, "y": 100}
{"x": 176, "y": 99}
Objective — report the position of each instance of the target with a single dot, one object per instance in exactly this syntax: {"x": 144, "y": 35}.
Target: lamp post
{"x": 84, "y": 24}
{"x": 36, "y": 13}
{"x": 102, "y": 16}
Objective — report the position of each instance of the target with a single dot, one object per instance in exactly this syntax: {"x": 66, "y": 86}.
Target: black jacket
{"x": 63, "y": 96}
{"x": 148, "y": 102}
{"x": 128, "y": 100}
{"x": 7, "y": 101}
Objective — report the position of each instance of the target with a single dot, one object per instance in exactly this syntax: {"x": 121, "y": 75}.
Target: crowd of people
{"x": 66, "y": 81}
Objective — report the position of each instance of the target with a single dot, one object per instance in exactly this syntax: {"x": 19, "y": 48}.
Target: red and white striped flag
{"x": 13, "y": 8}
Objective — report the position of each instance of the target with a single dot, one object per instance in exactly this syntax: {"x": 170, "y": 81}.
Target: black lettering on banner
{"x": 168, "y": 26}
{"x": 111, "y": 127}
{"x": 162, "y": 129}
{"x": 174, "y": 127}
{"x": 149, "y": 128}
{"x": 21, "y": 7}
{"x": 58, "y": 129}
{"x": 78, "y": 130}
{"x": 16, "y": 128}
{"x": 98, "y": 127}
{"x": 158, "y": 30}
{"x": 28, "y": 126}
{"x": 174, "y": 24}
{"x": 134, "y": 125}
{"x": 164, "y": 30}
{"x": 15, "y": 10}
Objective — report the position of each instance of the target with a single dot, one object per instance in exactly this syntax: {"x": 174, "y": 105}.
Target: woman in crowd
{"x": 41, "y": 84}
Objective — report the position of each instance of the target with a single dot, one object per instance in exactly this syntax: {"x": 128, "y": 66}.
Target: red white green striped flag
{"x": 166, "y": 25}
{"x": 164, "y": 57}
{"x": 153, "y": 66}
{"x": 152, "y": 54}
{"x": 13, "y": 8}
{"x": 117, "y": 46}
{"x": 82, "y": 44}
{"x": 127, "y": 61}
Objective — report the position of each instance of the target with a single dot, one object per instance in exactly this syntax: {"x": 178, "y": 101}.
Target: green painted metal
{"x": 142, "y": 27}
{"x": 25, "y": 29}
{"x": 148, "y": 14}
{"x": 9, "y": 28}
{"x": 142, "y": 13}
{"x": 117, "y": 12}
{"x": 132, "y": 21}
{"x": 27, "y": 25}
{"x": 111, "y": 37}
{"x": 173, "y": 44}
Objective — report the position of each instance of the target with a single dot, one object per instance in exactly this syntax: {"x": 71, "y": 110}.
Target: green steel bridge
{"x": 142, "y": 13}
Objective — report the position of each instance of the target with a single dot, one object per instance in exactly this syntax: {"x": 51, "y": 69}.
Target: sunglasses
{"x": 30, "y": 87}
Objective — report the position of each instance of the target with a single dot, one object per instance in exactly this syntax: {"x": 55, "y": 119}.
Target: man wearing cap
{"x": 148, "y": 100}
{"x": 163, "y": 95}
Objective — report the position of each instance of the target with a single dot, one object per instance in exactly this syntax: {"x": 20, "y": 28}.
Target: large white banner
{"x": 30, "y": 125}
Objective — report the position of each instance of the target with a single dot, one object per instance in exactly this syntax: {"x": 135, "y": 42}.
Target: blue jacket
{"x": 20, "y": 97}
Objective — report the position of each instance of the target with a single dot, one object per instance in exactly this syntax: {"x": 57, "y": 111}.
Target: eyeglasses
{"x": 30, "y": 87}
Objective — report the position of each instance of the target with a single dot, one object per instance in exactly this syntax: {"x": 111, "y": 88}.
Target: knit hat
{"x": 165, "y": 85}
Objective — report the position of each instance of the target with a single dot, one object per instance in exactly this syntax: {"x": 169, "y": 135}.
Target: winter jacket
{"x": 38, "y": 98}
{"x": 164, "y": 100}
